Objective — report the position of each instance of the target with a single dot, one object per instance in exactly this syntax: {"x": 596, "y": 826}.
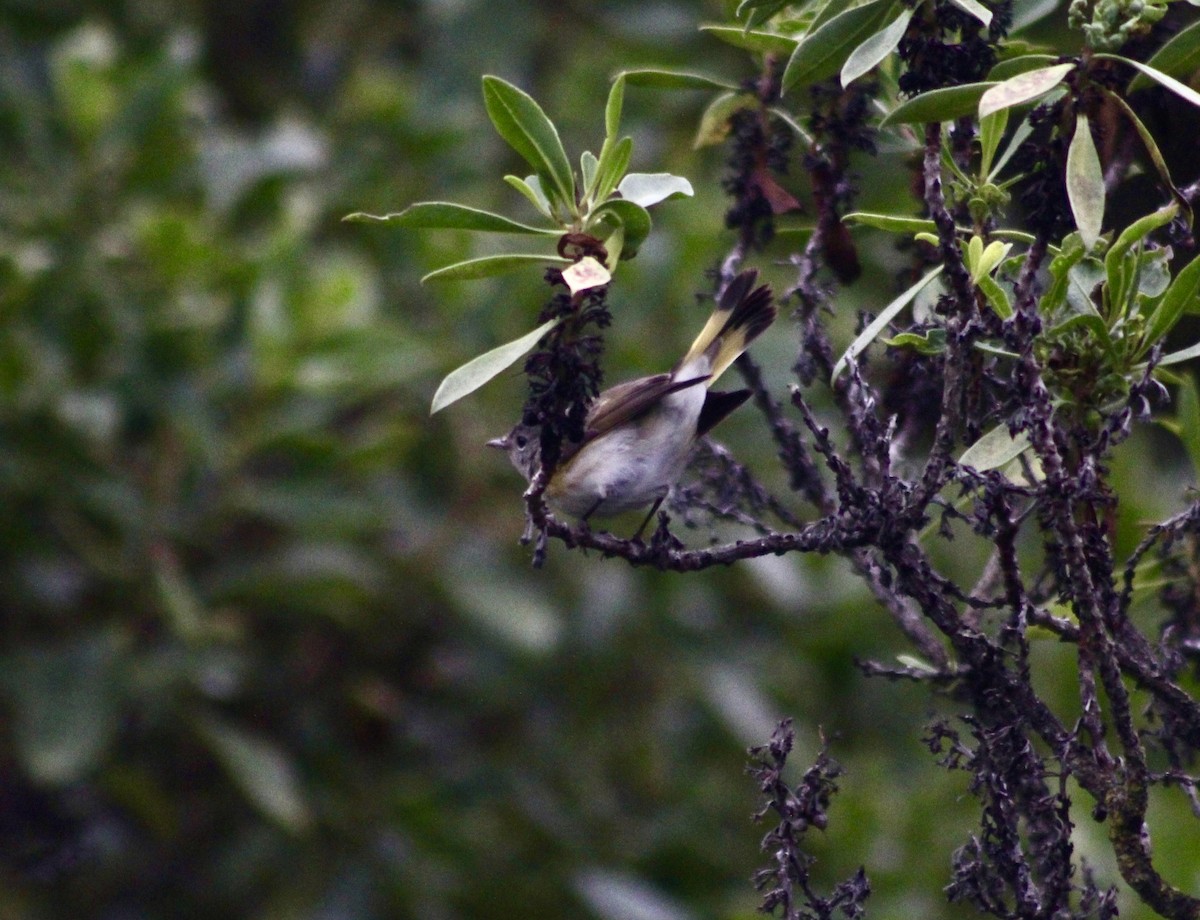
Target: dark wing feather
{"x": 626, "y": 401}
{"x": 717, "y": 405}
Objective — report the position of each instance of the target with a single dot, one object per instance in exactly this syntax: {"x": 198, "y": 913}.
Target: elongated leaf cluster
{"x": 603, "y": 205}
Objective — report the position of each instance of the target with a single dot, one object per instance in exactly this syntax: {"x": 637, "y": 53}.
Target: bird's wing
{"x": 626, "y": 401}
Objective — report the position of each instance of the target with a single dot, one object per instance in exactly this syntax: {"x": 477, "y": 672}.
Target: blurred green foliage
{"x": 269, "y": 646}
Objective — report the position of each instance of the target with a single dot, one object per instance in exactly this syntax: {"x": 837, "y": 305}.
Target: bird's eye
{"x": 520, "y": 440}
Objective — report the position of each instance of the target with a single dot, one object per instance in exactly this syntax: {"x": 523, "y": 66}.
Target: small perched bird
{"x": 638, "y": 435}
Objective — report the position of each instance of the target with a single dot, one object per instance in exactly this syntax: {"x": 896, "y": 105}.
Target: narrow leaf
{"x": 938, "y": 105}
{"x": 1180, "y": 89}
{"x": 996, "y": 295}
{"x": 487, "y": 266}
{"x": 991, "y": 256}
{"x": 1182, "y": 294}
{"x": 823, "y": 51}
{"x": 1019, "y": 136}
{"x": 1178, "y": 357}
{"x": 789, "y": 119}
{"x": 714, "y": 123}
{"x": 1179, "y": 56}
{"x": 756, "y": 12}
{"x": 479, "y": 370}
{"x": 630, "y": 216}
{"x": 994, "y": 449}
{"x": 752, "y": 39}
{"x": 872, "y": 51}
{"x": 1152, "y": 151}
{"x": 1018, "y": 65}
{"x": 614, "y": 160}
{"x": 891, "y": 222}
{"x": 262, "y": 771}
{"x": 612, "y": 109}
{"x": 524, "y": 126}
{"x": 445, "y": 215}
{"x": 976, "y": 9}
{"x": 531, "y": 188}
{"x": 1022, "y": 88}
{"x": 991, "y": 132}
{"x": 1031, "y": 11}
{"x": 890, "y": 312}
{"x": 1131, "y": 236}
{"x": 648, "y": 189}
{"x": 587, "y": 171}
{"x": 655, "y": 78}
{"x": 1085, "y": 182}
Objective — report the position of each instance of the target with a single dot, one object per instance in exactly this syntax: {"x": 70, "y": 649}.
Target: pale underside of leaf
{"x": 1023, "y": 87}
{"x": 874, "y": 49}
{"x": 479, "y": 370}
{"x": 1085, "y": 182}
{"x": 890, "y": 312}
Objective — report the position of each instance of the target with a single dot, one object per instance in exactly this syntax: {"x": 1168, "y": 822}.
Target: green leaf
{"x": 994, "y": 449}
{"x": 1179, "y": 56}
{"x": 1178, "y": 357}
{"x": 263, "y": 772}
{"x": 1151, "y": 147}
{"x": 1022, "y": 88}
{"x": 1027, "y": 13}
{"x": 890, "y": 312}
{"x": 752, "y": 40}
{"x": 614, "y": 160}
{"x": 630, "y": 216}
{"x": 1085, "y": 182}
{"x": 757, "y": 12}
{"x": 790, "y": 120}
{"x": 656, "y": 78}
{"x": 612, "y": 108}
{"x": 932, "y": 343}
{"x": 445, "y": 215}
{"x": 938, "y": 105}
{"x": 1019, "y": 136}
{"x": 823, "y": 51}
{"x": 479, "y": 370}
{"x": 989, "y": 258}
{"x": 976, "y": 9}
{"x": 874, "y": 49}
{"x": 714, "y": 123}
{"x": 991, "y": 132}
{"x": 487, "y": 266}
{"x": 587, "y": 171}
{"x": 524, "y": 126}
{"x": 1131, "y": 236}
{"x": 1180, "y": 89}
{"x": 891, "y": 222}
{"x": 531, "y": 188}
{"x": 1019, "y": 65}
{"x": 648, "y": 189}
{"x": 996, "y": 295}
{"x": 1183, "y": 294}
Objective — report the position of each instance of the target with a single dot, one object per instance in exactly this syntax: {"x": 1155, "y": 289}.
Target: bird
{"x": 638, "y": 435}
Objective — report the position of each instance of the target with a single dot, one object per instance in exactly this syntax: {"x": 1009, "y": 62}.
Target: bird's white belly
{"x": 632, "y": 466}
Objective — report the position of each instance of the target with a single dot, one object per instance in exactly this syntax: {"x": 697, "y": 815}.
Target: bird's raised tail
{"x": 742, "y": 314}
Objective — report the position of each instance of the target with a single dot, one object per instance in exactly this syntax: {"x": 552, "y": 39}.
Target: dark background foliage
{"x": 269, "y": 646}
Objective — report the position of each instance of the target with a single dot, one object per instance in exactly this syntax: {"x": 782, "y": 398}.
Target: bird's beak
{"x": 499, "y": 443}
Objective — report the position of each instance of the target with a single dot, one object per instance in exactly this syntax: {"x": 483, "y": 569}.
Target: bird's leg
{"x": 663, "y": 540}
{"x": 653, "y": 508}
{"x": 592, "y": 510}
